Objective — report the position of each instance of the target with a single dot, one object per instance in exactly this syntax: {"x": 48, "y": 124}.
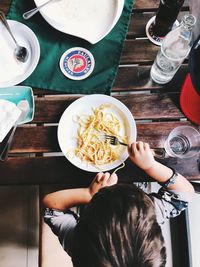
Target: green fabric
{"x": 53, "y": 44}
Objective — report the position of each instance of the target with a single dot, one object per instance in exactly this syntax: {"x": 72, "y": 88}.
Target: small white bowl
{"x": 13, "y": 72}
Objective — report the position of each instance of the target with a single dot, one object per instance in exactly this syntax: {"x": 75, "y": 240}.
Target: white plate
{"x": 91, "y": 20}
{"x": 67, "y": 128}
{"x": 13, "y": 72}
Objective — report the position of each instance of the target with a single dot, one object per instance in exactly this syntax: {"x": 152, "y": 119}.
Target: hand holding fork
{"x": 157, "y": 152}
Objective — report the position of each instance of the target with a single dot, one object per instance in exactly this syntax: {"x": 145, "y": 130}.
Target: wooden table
{"x": 154, "y": 107}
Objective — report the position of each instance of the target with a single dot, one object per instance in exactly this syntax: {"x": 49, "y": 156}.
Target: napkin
{"x": 9, "y": 114}
{"x": 53, "y": 44}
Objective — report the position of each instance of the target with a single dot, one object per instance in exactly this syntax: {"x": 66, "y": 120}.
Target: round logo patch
{"x": 77, "y": 63}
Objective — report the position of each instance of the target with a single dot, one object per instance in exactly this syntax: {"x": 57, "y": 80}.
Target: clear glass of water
{"x": 183, "y": 142}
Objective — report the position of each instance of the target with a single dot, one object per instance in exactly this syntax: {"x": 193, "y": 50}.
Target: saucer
{"x": 157, "y": 40}
{"x": 12, "y": 71}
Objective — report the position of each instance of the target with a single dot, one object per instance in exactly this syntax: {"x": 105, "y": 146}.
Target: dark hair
{"x": 119, "y": 229}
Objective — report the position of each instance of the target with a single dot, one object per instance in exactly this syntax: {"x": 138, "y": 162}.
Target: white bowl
{"x": 91, "y": 20}
{"x": 13, "y": 72}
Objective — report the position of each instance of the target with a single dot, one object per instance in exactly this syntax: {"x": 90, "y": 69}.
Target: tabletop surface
{"x": 34, "y": 156}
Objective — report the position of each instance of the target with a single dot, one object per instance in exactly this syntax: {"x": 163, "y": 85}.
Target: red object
{"x": 190, "y": 101}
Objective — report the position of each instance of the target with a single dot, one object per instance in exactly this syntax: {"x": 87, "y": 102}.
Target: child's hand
{"x": 101, "y": 180}
{"x": 141, "y": 155}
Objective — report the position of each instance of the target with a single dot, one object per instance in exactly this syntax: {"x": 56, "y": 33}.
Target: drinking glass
{"x": 183, "y": 142}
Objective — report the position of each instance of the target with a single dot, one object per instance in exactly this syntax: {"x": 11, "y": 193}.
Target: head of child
{"x": 119, "y": 229}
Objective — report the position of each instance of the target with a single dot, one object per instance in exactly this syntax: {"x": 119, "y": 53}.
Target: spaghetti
{"x": 91, "y": 145}
{"x": 120, "y": 167}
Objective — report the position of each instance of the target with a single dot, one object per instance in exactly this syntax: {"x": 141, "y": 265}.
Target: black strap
{"x": 171, "y": 180}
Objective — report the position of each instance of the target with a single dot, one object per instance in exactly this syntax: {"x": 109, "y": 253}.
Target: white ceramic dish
{"x": 13, "y": 72}
{"x": 67, "y": 128}
{"x": 91, "y": 20}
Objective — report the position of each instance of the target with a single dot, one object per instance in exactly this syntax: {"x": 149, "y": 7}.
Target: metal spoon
{"x": 30, "y": 13}
{"x": 20, "y": 52}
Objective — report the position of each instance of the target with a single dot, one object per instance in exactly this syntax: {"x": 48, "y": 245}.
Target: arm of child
{"x": 141, "y": 155}
{"x": 64, "y": 199}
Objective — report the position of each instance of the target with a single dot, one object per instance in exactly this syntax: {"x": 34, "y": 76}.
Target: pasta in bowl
{"x": 82, "y": 128}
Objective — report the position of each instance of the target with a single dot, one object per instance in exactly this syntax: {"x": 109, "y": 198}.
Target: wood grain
{"x": 130, "y": 78}
{"x": 138, "y": 51}
{"x": 138, "y": 23}
{"x": 57, "y": 170}
{"x": 136, "y": 78}
{"x": 144, "y": 5}
{"x": 142, "y": 106}
{"x": 43, "y": 139}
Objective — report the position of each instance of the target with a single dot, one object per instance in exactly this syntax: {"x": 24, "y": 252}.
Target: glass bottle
{"x": 194, "y": 7}
{"x": 174, "y": 49}
{"x": 166, "y": 16}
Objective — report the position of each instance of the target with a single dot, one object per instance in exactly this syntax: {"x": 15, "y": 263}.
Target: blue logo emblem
{"x": 77, "y": 63}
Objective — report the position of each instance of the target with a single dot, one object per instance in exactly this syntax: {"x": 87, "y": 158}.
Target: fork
{"x": 157, "y": 152}
{"x": 114, "y": 140}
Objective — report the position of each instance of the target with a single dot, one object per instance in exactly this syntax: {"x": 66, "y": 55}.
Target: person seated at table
{"x": 120, "y": 225}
